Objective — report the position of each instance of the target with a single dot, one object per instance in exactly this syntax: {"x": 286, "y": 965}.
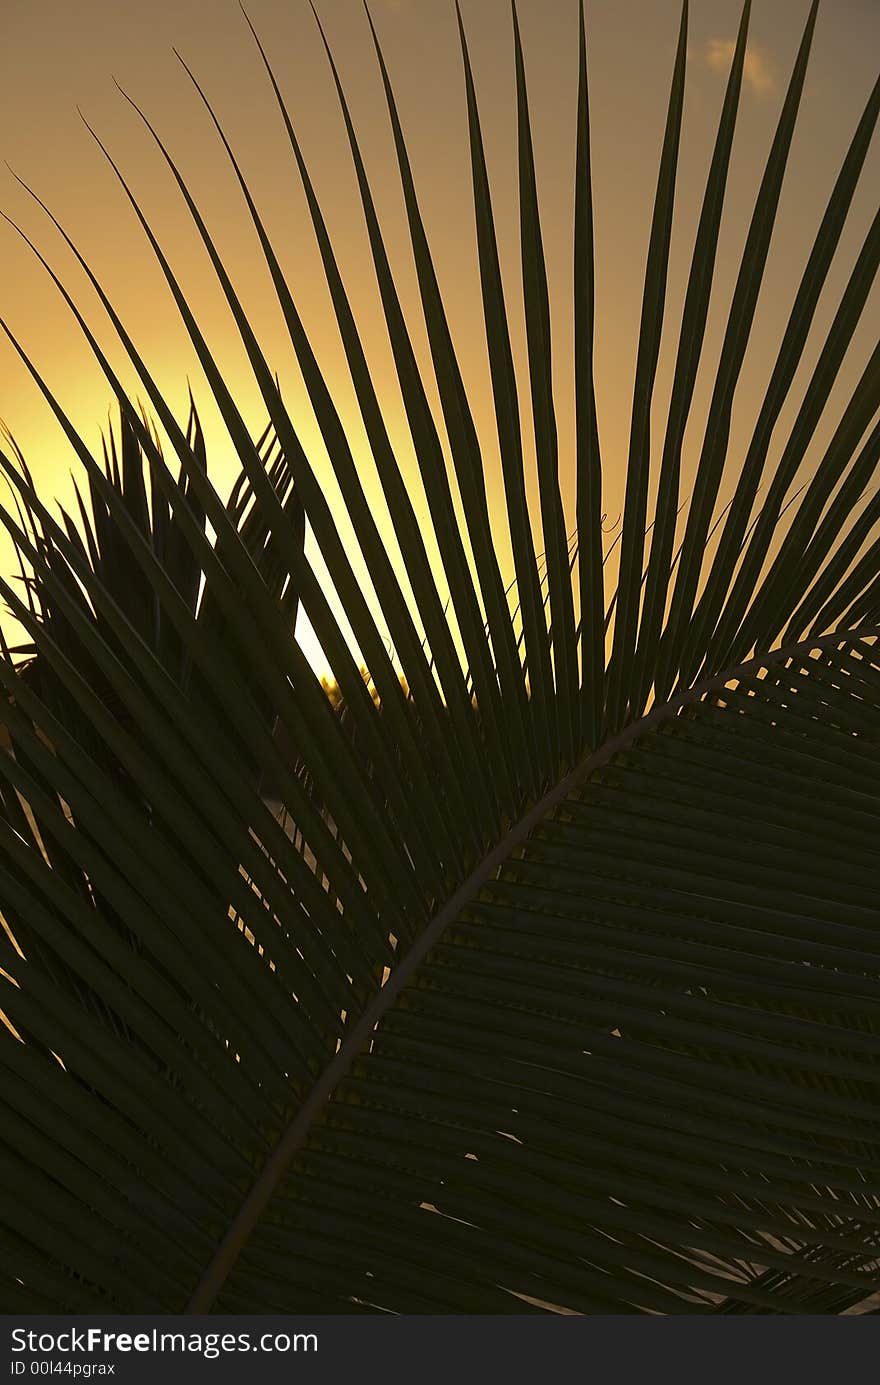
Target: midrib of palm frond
{"x": 356, "y": 1042}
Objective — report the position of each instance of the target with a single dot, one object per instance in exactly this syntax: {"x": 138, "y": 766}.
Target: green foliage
{"x": 515, "y": 966}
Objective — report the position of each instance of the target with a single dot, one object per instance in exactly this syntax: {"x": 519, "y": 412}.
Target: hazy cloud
{"x": 758, "y": 70}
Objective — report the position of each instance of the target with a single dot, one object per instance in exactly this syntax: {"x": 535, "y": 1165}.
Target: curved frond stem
{"x": 359, "y": 1036}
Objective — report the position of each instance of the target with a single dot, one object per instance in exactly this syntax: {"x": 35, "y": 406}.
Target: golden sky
{"x": 63, "y": 53}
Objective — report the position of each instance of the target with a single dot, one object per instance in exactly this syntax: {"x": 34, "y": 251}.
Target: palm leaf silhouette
{"x": 533, "y": 969}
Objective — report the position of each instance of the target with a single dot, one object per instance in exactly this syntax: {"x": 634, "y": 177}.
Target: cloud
{"x": 758, "y": 70}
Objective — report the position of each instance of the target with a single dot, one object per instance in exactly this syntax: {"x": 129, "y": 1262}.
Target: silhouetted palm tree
{"x": 531, "y": 969}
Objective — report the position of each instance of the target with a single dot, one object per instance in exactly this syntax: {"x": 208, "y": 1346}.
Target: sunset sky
{"x": 59, "y": 55}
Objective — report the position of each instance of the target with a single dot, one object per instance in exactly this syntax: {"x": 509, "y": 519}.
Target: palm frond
{"x": 533, "y": 964}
